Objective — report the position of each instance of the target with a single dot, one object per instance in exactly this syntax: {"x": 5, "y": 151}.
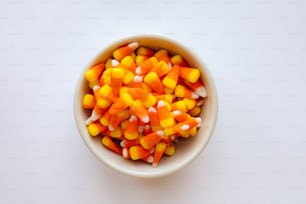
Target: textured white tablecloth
{"x": 256, "y": 51}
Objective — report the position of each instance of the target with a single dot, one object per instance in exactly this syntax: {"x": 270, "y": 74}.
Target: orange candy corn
{"x": 116, "y": 79}
{"x": 108, "y": 142}
{"x": 154, "y": 120}
{"x": 131, "y": 131}
{"x": 161, "y": 68}
{"x": 180, "y": 116}
{"x": 154, "y": 82}
{"x": 170, "y": 150}
{"x": 198, "y": 88}
{"x": 140, "y": 59}
{"x": 94, "y": 73}
{"x": 105, "y": 118}
{"x": 137, "y": 93}
{"x": 89, "y": 101}
{"x": 138, "y": 152}
{"x": 170, "y": 80}
{"x": 95, "y": 114}
{"x": 121, "y": 52}
{"x": 140, "y": 111}
{"x": 124, "y": 101}
{"x": 146, "y": 66}
{"x": 165, "y": 97}
{"x": 96, "y": 128}
{"x": 145, "y": 51}
{"x": 195, "y": 111}
{"x": 162, "y": 55}
{"x": 183, "y": 126}
{"x": 165, "y": 117}
{"x": 160, "y": 148}
{"x": 190, "y": 74}
{"x": 129, "y": 63}
{"x": 115, "y": 119}
{"x": 150, "y": 140}
{"x": 178, "y": 59}
{"x": 116, "y": 133}
{"x": 179, "y": 105}
{"x": 182, "y": 91}
{"x": 128, "y": 143}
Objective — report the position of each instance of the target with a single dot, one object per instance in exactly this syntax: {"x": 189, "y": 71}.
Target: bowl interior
{"x": 186, "y": 150}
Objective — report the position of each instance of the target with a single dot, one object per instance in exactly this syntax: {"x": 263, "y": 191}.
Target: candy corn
{"x": 190, "y": 74}
{"x": 160, "y": 148}
{"x": 182, "y": 91}
{"x": 146, "y": 65}
{"x": 165, "y": 117}
{"x": 154, "y": 120}
{"x": 108, "y": 142}
{"x": 161, "y": 68}
{"x": 198, "y": 88}
{"x": 94, "y": 73}
{"x": 138, "y": 152}
{"x": 178, "y": 59}
{"x": 95, "y": 128}
{"x": 131, "y": 132}
{"x": 129, "y": 63}
{"x": 154, "y": 82}
{"x": 142, "y": 101}
{"x": 170, "y": 80}
{"x": 89, "y": 101}
{"x": 150, "y": 140}
{"x": 162, "y": 55}
{"x": 121, "y": 52}
{"x": 140, "y": 111}
{"x": 145, "y": 51}
{"x": 116, "y": 79}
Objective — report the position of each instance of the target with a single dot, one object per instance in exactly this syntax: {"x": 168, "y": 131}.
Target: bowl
{"x": 186, "y": 150}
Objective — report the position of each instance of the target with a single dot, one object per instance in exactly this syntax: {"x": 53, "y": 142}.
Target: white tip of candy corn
{"x": 94, "y": 116}
{"x": 194, "y": 95}
{"x": 200, "y": 102}
{"x": 125, "y": 153}
{"x": 176, "y": 112}
{"x": 88, "y": 121}
{"x": 152, "y": 110}
{"x": 133, "y": 118}
{"x": 95, "y": 87}
{"x": 160, "y": 104}
{"x": 160, "y": 133}
{"x": 201, "y": 91}
{"x": 149, "y": 159}
{"x": 199, "y": 120}
{"x": 185, "y": 127}
{"x": 145, "y": 119}
{"x": 170, "y": 66}
{"x": 111, "y": 128}
{"x": 123, "y": 143}
{"x": 138, "y": 78}
{"x": 115, "y": 63}
{"x": 133, "y": 45}
{"x": 138, "y": 70}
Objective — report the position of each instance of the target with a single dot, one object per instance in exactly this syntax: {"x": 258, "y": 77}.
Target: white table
{"x": 255, "y": 50}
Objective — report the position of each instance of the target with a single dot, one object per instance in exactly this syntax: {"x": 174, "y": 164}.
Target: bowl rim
{"x": 214, "y": 95}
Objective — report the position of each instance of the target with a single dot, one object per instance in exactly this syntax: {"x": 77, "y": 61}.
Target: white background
{"x": 256, "y": 51}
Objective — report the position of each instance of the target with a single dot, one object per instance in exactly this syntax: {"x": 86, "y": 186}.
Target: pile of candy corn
{"x": 142, "y": 101}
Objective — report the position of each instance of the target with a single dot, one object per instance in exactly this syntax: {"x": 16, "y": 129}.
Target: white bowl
{"x": 186, "y": 150}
